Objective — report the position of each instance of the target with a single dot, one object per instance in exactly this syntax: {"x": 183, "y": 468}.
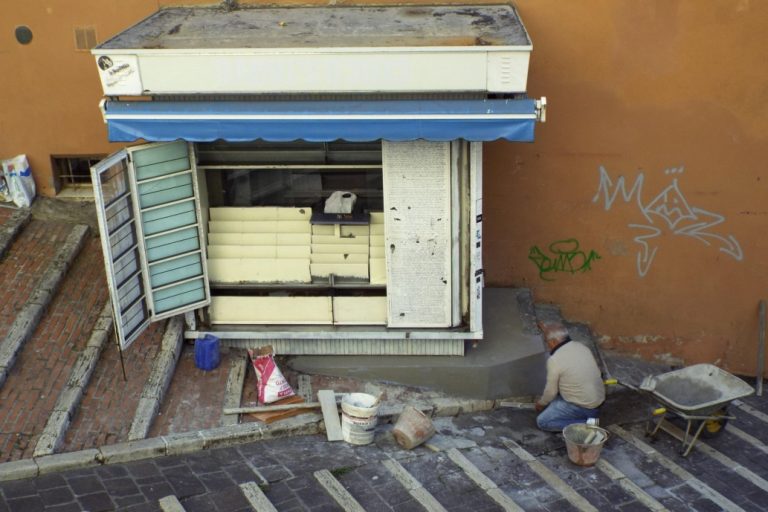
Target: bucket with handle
{"x": 584, "y": 443}
{"x": 359, "y": 418}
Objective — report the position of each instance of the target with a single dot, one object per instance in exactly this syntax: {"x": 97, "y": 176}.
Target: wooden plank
{"x": 357, "y": 270}
{"x": 258, "y": 226}
{"x": 256, "y": 497}
{"x": 378, "y": 270}
{"x": 377, "y": 229}
{"x": 331, "y": 419}
{"x": 337, "y": 491}
{"x": 360, "y": 310}
{"x": 242, "y": 251}
{"x": 291, "y": 403}
{"x": 242, "y": 226}
{"x": 234, "y": 390}
{"x": 270, "y": 310}
{"x": 354, "y": 231}
{"x": 294, "y": 239}
{"x": 259, "y": 251}
{"x": 259, "y": 270}
{"x": 284, "y": 213}
{"x": 230, "y": 213}
{"x": 271, "y": 408}
{"x": 294, "y": 251}
{"x": 377, "y": 240}
{"x": 338, "y": 240}
{"x": 377, "y": 252}
{"x": 339, "y": 249}
{"x": 338, "y": 258}
{"x": 377, "y": 218}
{"x": 323, "y": 229}
{"x": 243, "y": 239}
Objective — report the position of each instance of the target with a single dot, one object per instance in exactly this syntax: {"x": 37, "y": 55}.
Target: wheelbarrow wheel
{"x": 716, "y": 426}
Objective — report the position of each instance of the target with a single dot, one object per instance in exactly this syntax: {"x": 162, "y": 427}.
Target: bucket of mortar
{"x": 584, "y": 443}
{"x": 359, "y": 417}
{"x": 412, "y": 428}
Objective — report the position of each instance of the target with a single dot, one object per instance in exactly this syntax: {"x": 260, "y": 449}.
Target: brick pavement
{"x": 109, "y": 403}
{"x": 195, "y": 397}
{"x": 43, "y": 364}
{"x": 25, "y": 263}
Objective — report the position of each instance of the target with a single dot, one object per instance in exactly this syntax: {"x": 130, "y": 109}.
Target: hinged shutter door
{"x": 120, "y": 243}
{"x": 167, "y": 200}
{"x": 417, "y": 233}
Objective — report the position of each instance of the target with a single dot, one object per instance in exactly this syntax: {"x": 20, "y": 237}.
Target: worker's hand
{"x": 538, "y": 406}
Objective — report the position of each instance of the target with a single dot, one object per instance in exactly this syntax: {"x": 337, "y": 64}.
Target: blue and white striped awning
{"x": 322, "y": 121}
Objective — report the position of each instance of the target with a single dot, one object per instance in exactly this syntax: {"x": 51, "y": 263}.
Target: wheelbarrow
{"x": 698, "y": 394}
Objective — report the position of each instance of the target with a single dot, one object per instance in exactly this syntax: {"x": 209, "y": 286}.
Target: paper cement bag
{"x": 272, "y": 385}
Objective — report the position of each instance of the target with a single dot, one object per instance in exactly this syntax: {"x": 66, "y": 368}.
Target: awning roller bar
{"x": 324, "y": 121}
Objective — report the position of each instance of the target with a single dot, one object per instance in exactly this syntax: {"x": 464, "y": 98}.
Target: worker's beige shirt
{"x": 573, "y": 372}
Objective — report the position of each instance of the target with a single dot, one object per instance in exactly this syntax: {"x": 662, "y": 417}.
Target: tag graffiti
{"x": 565, "y": 256}
{"x": 668, "y": 211}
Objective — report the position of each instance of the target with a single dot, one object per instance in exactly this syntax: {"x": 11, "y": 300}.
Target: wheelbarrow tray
{"x": 698, "y": 390}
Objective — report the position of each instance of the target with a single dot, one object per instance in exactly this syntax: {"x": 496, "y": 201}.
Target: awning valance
{"x": 321, "y": 121}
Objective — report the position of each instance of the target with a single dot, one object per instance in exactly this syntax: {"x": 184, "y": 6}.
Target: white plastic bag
{"x": 340, "y": 202}
{"x": 18, "y": 176}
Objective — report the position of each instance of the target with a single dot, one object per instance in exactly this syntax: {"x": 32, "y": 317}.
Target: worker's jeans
{"x": 559, "y": 414}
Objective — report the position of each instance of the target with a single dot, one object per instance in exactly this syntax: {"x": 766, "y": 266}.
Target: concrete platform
{"x": 509, "y": 361}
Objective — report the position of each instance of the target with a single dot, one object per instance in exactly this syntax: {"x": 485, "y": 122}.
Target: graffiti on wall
{"x": 565, "y": 256}
{"x": 669, "y": 211}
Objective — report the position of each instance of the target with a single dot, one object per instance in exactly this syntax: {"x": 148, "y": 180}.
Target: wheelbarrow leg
{"x": 661, "y": 414}
{"x": 694, "y": 439}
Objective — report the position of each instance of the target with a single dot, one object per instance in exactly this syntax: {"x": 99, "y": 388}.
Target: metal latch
{"x": 541, "y": 109}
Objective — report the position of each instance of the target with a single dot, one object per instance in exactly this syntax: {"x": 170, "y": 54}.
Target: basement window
{"x": 72, "y": 173}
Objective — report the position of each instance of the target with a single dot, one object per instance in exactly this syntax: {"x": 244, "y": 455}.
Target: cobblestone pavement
{"x": 286, "y": 471}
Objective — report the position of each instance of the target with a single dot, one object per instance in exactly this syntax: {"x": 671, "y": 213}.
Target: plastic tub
{"x": 207, "y": 354}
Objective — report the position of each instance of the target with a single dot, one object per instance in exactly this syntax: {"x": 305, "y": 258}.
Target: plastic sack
{"x": 18, "y": 177}
{"x": 340, "y": 202}
{"x": 272, "y": 385}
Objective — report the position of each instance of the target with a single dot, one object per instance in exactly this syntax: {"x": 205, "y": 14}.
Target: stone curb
{"x": 27, "y": 319}
{"x": 219, "y": 437}
{"x": 172, "y": 444}
{"x": 12, "y": 228}
{"x": 159, "y": 379}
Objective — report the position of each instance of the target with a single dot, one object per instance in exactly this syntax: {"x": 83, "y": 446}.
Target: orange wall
{"x": 638, "y": 88}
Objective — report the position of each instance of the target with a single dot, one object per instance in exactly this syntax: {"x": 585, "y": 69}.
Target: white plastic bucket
{"x": 359, "y": 417}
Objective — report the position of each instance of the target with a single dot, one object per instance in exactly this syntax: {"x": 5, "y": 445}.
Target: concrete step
{"x": 509, "y": 361}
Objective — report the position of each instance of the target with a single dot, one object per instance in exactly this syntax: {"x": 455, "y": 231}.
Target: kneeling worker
{"x": 574, "y": 389}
